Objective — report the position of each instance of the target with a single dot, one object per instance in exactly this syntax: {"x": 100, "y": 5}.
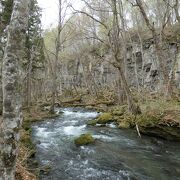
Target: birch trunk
{"x": 12, "y": 117}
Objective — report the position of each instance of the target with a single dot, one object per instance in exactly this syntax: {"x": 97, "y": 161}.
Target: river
{"x": 116, "y": 155}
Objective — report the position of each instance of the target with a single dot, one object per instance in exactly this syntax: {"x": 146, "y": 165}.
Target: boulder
{"x": 92, "y": 122}
{"x": 84, "y": 139}
{"x": 105, "y": 118}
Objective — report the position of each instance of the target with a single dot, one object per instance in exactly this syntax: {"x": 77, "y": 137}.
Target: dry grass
{"x": 23, "y": 174}
{"x": 26, "y": 148}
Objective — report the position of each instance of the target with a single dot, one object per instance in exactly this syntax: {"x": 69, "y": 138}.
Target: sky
{"x": 50, "y": 11}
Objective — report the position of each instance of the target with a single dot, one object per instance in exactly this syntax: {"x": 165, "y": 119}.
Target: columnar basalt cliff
{"x": 143, "y": 69}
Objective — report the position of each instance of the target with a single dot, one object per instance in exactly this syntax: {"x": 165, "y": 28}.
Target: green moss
{"x": 105, "y": 118}
{"x": 26, "y": 139}
{"x": 149, "y": 119}
{"x": 92, "y": 122}
{"x": 123, "y": 125}
{"x": 119, "y": 111}
{"x": 84, "y": 139}
{"x": 26, "y": 125}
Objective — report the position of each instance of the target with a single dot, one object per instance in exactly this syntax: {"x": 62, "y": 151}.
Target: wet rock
{"x": 35, "y": 163}
{"x": 45, "y": 170}
{"x": 61, "y": 112}
{"x": 100, "y": 125}
{"x": 92, "y": 122}
{"x": 164, "y": 132}
{"x": 32, "y": 154}
{"x": 84, "y": 139}
{"x": 105, "y": 118}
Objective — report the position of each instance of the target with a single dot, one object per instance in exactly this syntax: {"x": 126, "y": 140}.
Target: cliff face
{"x": 177, "y": 70}
{"x": 144, "y": 69}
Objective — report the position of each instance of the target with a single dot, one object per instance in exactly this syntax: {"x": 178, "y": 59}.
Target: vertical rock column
{"x": 177, "y": 74}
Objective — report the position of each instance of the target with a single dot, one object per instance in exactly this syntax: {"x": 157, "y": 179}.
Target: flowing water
{"x": 116, "y": 155}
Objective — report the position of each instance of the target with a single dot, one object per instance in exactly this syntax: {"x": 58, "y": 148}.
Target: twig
{"x": 137, "y": 128}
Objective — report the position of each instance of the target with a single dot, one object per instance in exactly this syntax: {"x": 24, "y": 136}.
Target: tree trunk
{"x": 115, "y": 47}
{"x": 158, "y": 47}
{"x": 11, "y": 79}
{"x": 58, "y": 48}
{"x": 29, "y": 82}
{"x": 1, "y": 93}
{"x": 133, "y": 108}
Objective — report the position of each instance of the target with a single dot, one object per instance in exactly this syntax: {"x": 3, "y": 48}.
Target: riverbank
{"x": 158, "y": 119}
{"x": 27, "y": 168}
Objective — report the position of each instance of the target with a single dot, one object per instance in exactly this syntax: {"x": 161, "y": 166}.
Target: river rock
{"x": 92, "y": 122}
{"x": 84, "y": 139}
{"x": 105, "y": 118}
{"x": 45, "y": 170}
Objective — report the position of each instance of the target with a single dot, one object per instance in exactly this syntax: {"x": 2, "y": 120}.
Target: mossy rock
{"x": 92, "y": 122}
{"x": 124, "y": 125}
{"x": 105, "y": 118}
{"x": 84, "y": 139}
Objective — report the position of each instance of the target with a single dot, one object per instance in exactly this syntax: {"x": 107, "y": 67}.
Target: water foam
{"x": 104, "y": 137}
{"x": 80, "y": 114}
{"x": 74, "y": 130}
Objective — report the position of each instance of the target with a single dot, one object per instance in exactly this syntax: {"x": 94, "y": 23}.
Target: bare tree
{"x": 59, "y": 43}
{"x": 57, "y": 46}
{"x": 115, "y": 43}
{"x": 158, "y": 42}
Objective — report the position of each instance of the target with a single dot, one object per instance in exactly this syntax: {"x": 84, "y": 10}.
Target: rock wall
{"x": 177, "y": 69}
{"x": 143, "y": 70}
{"x": 143, "y": 65}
